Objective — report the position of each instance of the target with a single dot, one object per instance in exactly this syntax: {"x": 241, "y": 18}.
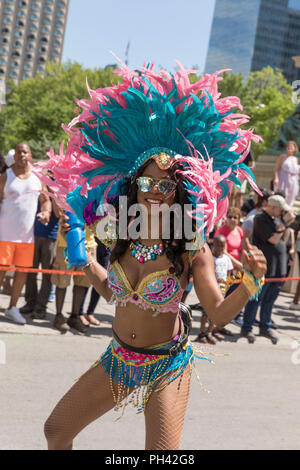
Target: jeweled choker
{"x": 145, "y": 253}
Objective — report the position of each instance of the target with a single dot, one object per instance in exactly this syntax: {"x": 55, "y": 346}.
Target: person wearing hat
{"x": 268, "y": 230}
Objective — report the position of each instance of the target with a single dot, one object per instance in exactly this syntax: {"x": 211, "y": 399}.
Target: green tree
{"x": 266, "y": 96}
{"x": 38, "y": 106}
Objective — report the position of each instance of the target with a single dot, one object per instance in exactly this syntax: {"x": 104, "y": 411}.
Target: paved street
{"x": 253, "y": 401}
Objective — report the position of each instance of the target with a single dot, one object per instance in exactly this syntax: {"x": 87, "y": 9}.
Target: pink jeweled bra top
{"x": 160, "y": 291}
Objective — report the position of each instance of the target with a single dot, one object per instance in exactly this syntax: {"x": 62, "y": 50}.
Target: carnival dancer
{"x": 158, "y": 141}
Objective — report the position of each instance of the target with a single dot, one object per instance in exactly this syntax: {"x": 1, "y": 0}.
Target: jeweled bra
{"x": 160, "y": 291}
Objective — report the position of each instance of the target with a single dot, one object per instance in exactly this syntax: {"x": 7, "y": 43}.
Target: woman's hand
{"x": 64, "y": 226}
{"x": 254, "y": 260}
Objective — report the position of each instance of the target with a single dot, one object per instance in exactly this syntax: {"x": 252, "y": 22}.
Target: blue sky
{"x": 158, "y": 30}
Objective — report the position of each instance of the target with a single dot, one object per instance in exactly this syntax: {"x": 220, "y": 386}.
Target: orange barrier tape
{"x": 80, "y": 273}
{"x": 45, "y": 271}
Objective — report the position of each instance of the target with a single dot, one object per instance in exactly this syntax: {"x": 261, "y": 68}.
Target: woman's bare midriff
{"x": 138, "y": 327}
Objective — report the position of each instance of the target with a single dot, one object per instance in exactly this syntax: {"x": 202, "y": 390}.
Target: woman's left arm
{"x": 222, "y": 310}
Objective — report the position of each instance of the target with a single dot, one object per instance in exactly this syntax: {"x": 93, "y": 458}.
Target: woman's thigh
{"x": 164, "y": 413}
{"x": 88, "y": 399}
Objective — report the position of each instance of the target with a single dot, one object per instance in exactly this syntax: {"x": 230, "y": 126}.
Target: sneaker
{"x": 269, "y": 334}
{"x": 238, "y": 321}
{"x": 294, "y": 306}
{"x": 249, "y": 335}
{"x": 201, "y": 338}
{"x": 13, "y": 314}
{"x": 27, "y": 309}
{"x": 75, "y": 323}
{"x": 60, "y": 323}
{"x": 39, "y": 314}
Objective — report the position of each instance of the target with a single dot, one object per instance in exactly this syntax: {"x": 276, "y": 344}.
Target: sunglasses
{"x": 146, "y": 183}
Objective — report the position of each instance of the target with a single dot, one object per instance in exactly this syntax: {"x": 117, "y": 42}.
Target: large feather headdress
{"x": 146, "y": 115}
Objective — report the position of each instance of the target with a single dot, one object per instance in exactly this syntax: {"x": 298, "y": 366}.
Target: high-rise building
{"x": 31, "y": 33}
{"x": 249, "y": 35}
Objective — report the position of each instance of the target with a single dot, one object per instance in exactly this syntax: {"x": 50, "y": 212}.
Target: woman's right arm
{"x": 94, "y": 271}
{"x": 97, "y": 275}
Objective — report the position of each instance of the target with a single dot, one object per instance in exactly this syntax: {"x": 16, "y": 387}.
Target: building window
{"x": 17, "y": 44}
{"x": 21, "y": 13}
{"x": 6, "y": 20}
{"x": 27, "y": 67}
{"x": 35, "y": 6}
{"x": 5, "y": 30}
{"x": 8, "y": 10}
{"x": 57, "y": 33}
{"x": 46, "y": 20}
{"x": 4, "y": 40}
{"x": 15, "y": 64}
{"x": 61, "y": 4}
{"x": 18, "y": 34}
{"x": 31, "y": 37}
{"x": 20, "y": 23}
{"x": 16, "y": 54}
{"x": 30, "y": 47}
{"x": 34, "y": 17}
{"x": 32, "y": 27}
{"x": 22, "y": 3}
{"x": 43, "y": 39}
{"x": 45, "y": 29}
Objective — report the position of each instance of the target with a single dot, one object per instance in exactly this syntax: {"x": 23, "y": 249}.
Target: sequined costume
{"x": 182, "y": 126}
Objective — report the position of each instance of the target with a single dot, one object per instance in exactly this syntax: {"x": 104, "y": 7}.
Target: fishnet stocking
{"x": 91, "y": 397}
{"x": 165, "y": 412}
{"x": 87, "y": 400}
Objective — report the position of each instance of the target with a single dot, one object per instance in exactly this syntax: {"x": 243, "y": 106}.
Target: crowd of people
{"x": 30, "y": 236}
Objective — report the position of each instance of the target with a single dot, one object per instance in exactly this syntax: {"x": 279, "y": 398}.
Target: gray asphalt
{"x": 253, "y": 399}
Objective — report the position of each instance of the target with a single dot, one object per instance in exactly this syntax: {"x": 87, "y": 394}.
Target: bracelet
{"x": 89, "y": 264}
{"x": 252, "y": 284}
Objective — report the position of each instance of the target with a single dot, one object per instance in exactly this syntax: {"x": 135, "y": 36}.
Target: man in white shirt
{"x": 20, "y": 190}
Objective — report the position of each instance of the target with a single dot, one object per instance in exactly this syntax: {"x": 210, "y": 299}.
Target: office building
{"x": 249, "y": 35}
{"x": 31, "y": 33}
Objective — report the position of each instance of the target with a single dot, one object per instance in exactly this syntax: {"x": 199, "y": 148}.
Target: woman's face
{"x": 154, "y": 198}
{"x": 232, "y": 221}
{"x": 290, "y": 148}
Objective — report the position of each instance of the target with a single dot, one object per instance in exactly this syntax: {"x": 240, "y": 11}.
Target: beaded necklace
{"x": 145, "y": 253}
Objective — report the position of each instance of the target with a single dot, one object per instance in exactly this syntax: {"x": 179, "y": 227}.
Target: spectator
{"x": 6, "y": 162}
{"x": 269, "y": 227}
{"x": 62, "y": 281}
{"x": 261, "y": 203}
{"x": 19, "y": 195}
{"x": 295, "y": 305}
{"x": 233, "y": 234}
{"x": 3, "y": 166}
{"x": 286, "y": 174}
{"x": 44, "y": 255}
{"x": 223, "y": 266}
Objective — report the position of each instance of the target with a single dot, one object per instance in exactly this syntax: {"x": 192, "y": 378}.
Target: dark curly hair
{"x": 174, "y": 247}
